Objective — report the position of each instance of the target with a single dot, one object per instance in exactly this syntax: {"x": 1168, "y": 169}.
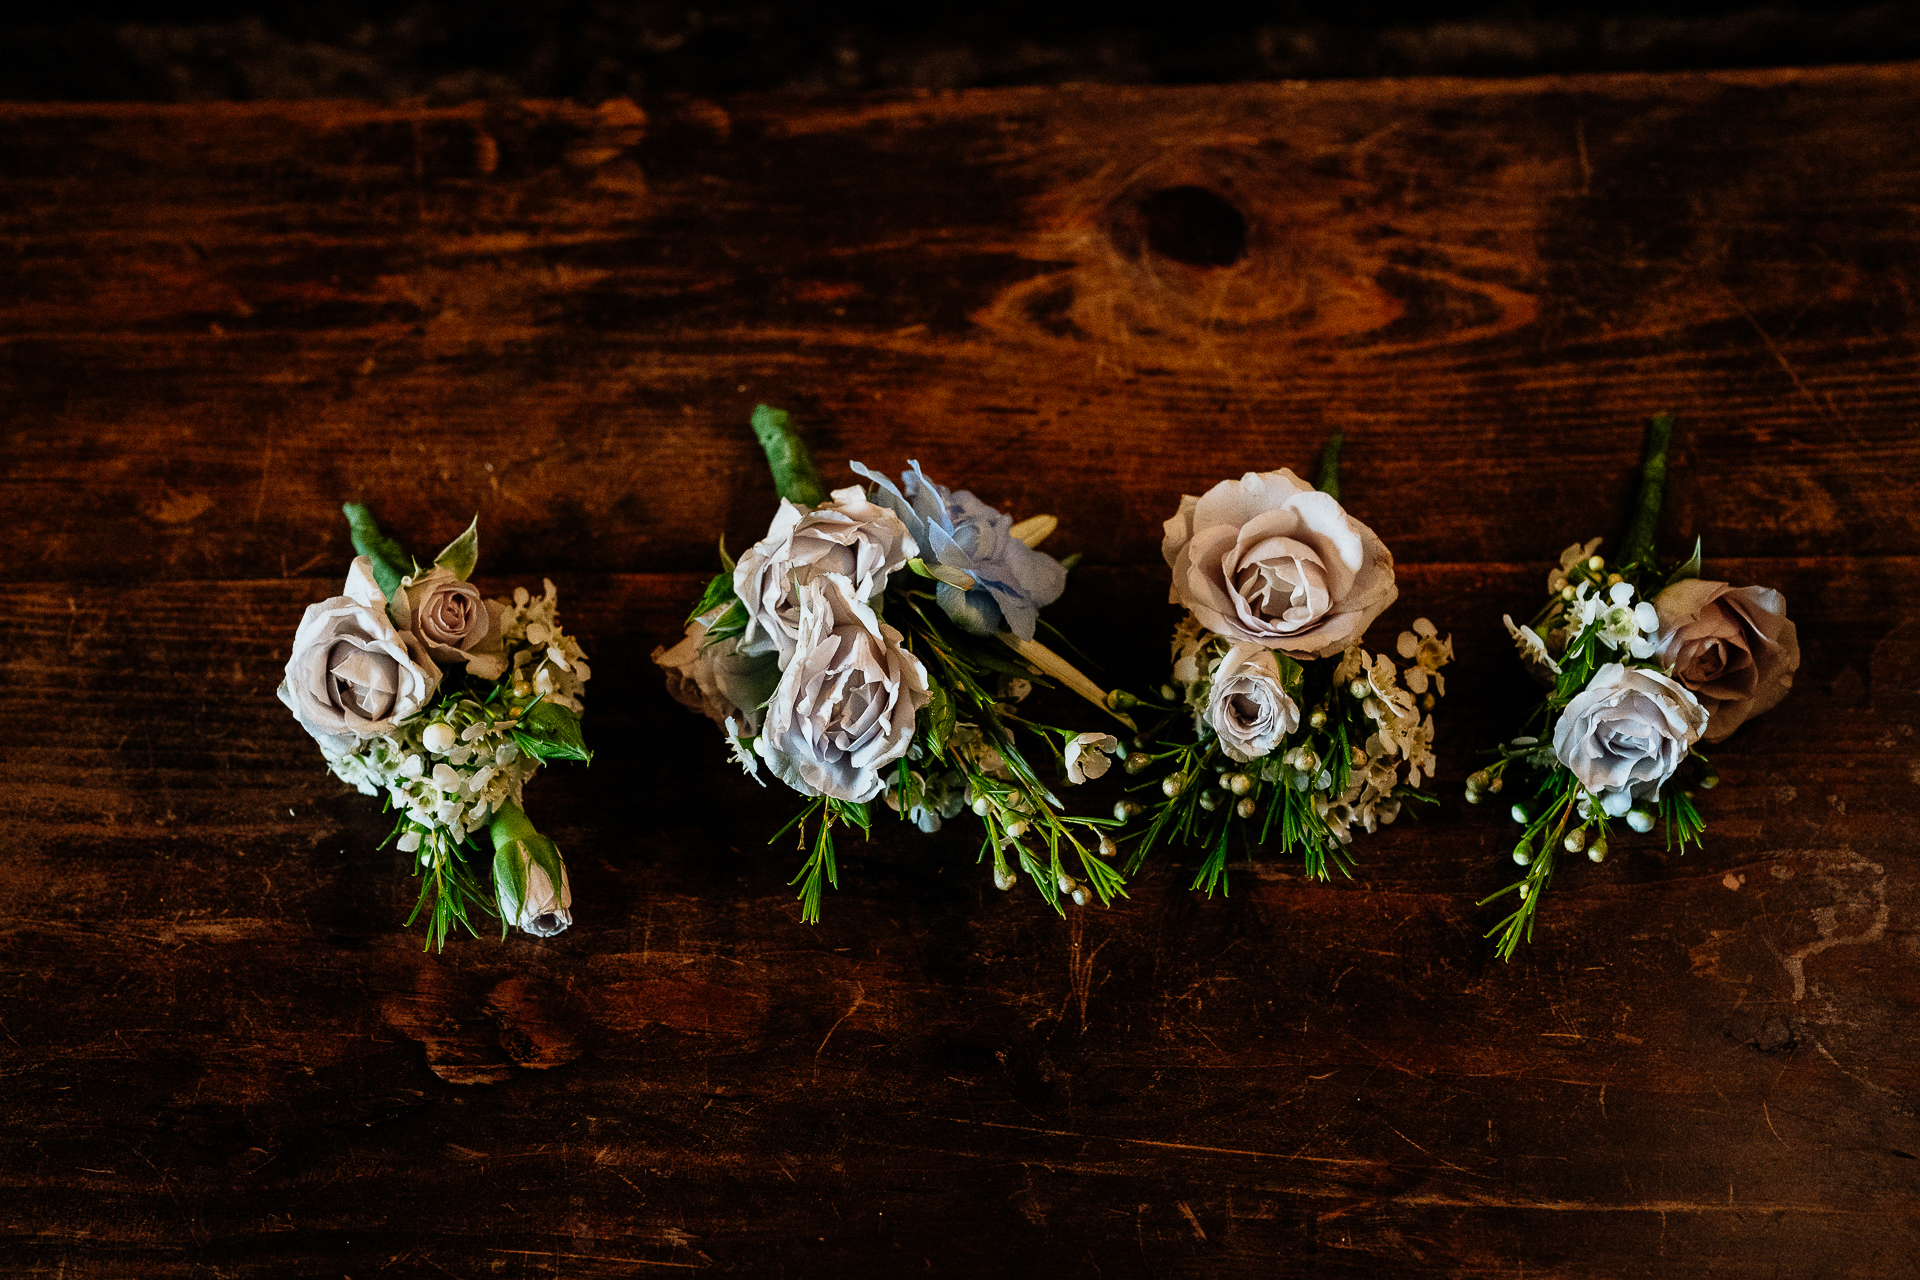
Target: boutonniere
{"x": 418, "y": 688}
{"x": 876, "y": 650}
{"x": 1283, "y": 727}
{"x": 1643, "y": 660}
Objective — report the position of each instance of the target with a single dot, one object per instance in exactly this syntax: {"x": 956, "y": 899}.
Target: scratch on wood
{"x": 1779, "y": 356}
{"x": 1770, "y": 1129}
{"x": 1168, "y": 1146}
{"x": 859, "y": 995}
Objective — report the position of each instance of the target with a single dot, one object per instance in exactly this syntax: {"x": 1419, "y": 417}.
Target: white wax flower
{"x": 1086, "y": 758}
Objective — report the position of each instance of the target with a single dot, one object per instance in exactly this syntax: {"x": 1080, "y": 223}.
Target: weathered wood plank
{"x": 222, "y": 1056}
{"x": 217, "y": 322}
{"x": 1337, "y": 1075}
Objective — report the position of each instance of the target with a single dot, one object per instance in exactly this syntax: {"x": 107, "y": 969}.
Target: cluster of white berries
{"x": 543, "y": 659}
{"x": 449, "y": 769}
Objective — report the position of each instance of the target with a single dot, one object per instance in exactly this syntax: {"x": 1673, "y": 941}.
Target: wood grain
{"x": 224, "y": 1058}
{"x": 560, "y": 318}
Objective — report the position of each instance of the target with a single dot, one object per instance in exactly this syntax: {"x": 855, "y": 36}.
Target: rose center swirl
{"x": 1282, "y": 579}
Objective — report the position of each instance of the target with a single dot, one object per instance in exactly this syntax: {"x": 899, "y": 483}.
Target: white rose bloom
{"x": 1625, "y": 734}
{"x": 1247, "y": 705}
{"x": 850, "y": 536}
{"x": 543, "y": 911}
{"x": 845, "y": 706}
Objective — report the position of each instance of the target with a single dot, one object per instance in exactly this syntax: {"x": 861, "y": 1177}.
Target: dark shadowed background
{"x": 446, "y": 50}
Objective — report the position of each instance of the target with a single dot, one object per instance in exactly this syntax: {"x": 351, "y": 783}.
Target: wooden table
{"x": 223, "y": 1057}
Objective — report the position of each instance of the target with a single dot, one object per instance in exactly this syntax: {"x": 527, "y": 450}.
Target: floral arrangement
{"x": 1280, "y": 720}
{"x": 1643, "y": 662}
{"x": 416, "y": 686}
{"x": 878, "y": 645}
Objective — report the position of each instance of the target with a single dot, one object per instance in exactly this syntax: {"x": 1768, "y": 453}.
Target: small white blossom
{"x": 1086, "y": 756}
{"x": 1429, "y": 653}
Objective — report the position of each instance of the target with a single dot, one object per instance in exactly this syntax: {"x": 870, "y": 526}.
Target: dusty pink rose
{"x": 1734, "y": 647}
{"x": 353, "y": 675}
{"x": 715, "y": 678}
{"x": 454, "y": 622}
{"x": 1269, "y": 560}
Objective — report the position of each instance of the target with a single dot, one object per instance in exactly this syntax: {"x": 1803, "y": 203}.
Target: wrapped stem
{"x": 1328, "y": 479}
{"x": 1638, "y": 547}
{"x": 794, "y": 474}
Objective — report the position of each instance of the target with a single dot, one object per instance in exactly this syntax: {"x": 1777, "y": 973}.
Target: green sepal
{"x": 549, "y": 731}
{"x": 1691, "y": 569}
{"x": 726, "y": 561}
{"x": 463, "y": 553}
{"x": 390, "y": 561}
{"x": 794, "y": 475}
{"x": 514, "y": 834}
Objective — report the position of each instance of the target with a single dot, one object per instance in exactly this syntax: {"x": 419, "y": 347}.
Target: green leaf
{"x": 794, "y": 475}
{"x": 390, "y": 561}
{"x": 549, "y": 731}
{"x": 1328, "y": 481}
{"x": 718, "y": 592}
{"x": 1691, "y": 569}
{"x": 463, "y": 553}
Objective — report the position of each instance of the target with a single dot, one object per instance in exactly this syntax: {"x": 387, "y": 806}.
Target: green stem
{"x": 794, "y": 474}
{"x": 1638, "y": 548}
{"x": 1328, "y": 481}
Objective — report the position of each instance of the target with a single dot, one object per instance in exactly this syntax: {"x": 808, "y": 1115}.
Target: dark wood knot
{"x": 1190, "y": 224}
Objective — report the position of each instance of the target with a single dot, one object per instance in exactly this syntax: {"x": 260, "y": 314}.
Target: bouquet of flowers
{"x": 1643, "y": 661}
{"x": 1280, "y": 718}
{"x": 416, "y": 686}
{"x": 878, "y": 645}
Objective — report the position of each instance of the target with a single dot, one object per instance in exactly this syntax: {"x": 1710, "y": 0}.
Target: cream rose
{"x": 353, "y": 675}
{"x": 716, "y": 678}
{"x": 850, "y": 536}
{"x": 1625, "y": 734}
{"x": 1734, "y": 647}
{"x": 845, "y": 706}
{"x": 454, "y": 622}
{"x": 1248, "y": 705}
{"x": 1269, "y": 560}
